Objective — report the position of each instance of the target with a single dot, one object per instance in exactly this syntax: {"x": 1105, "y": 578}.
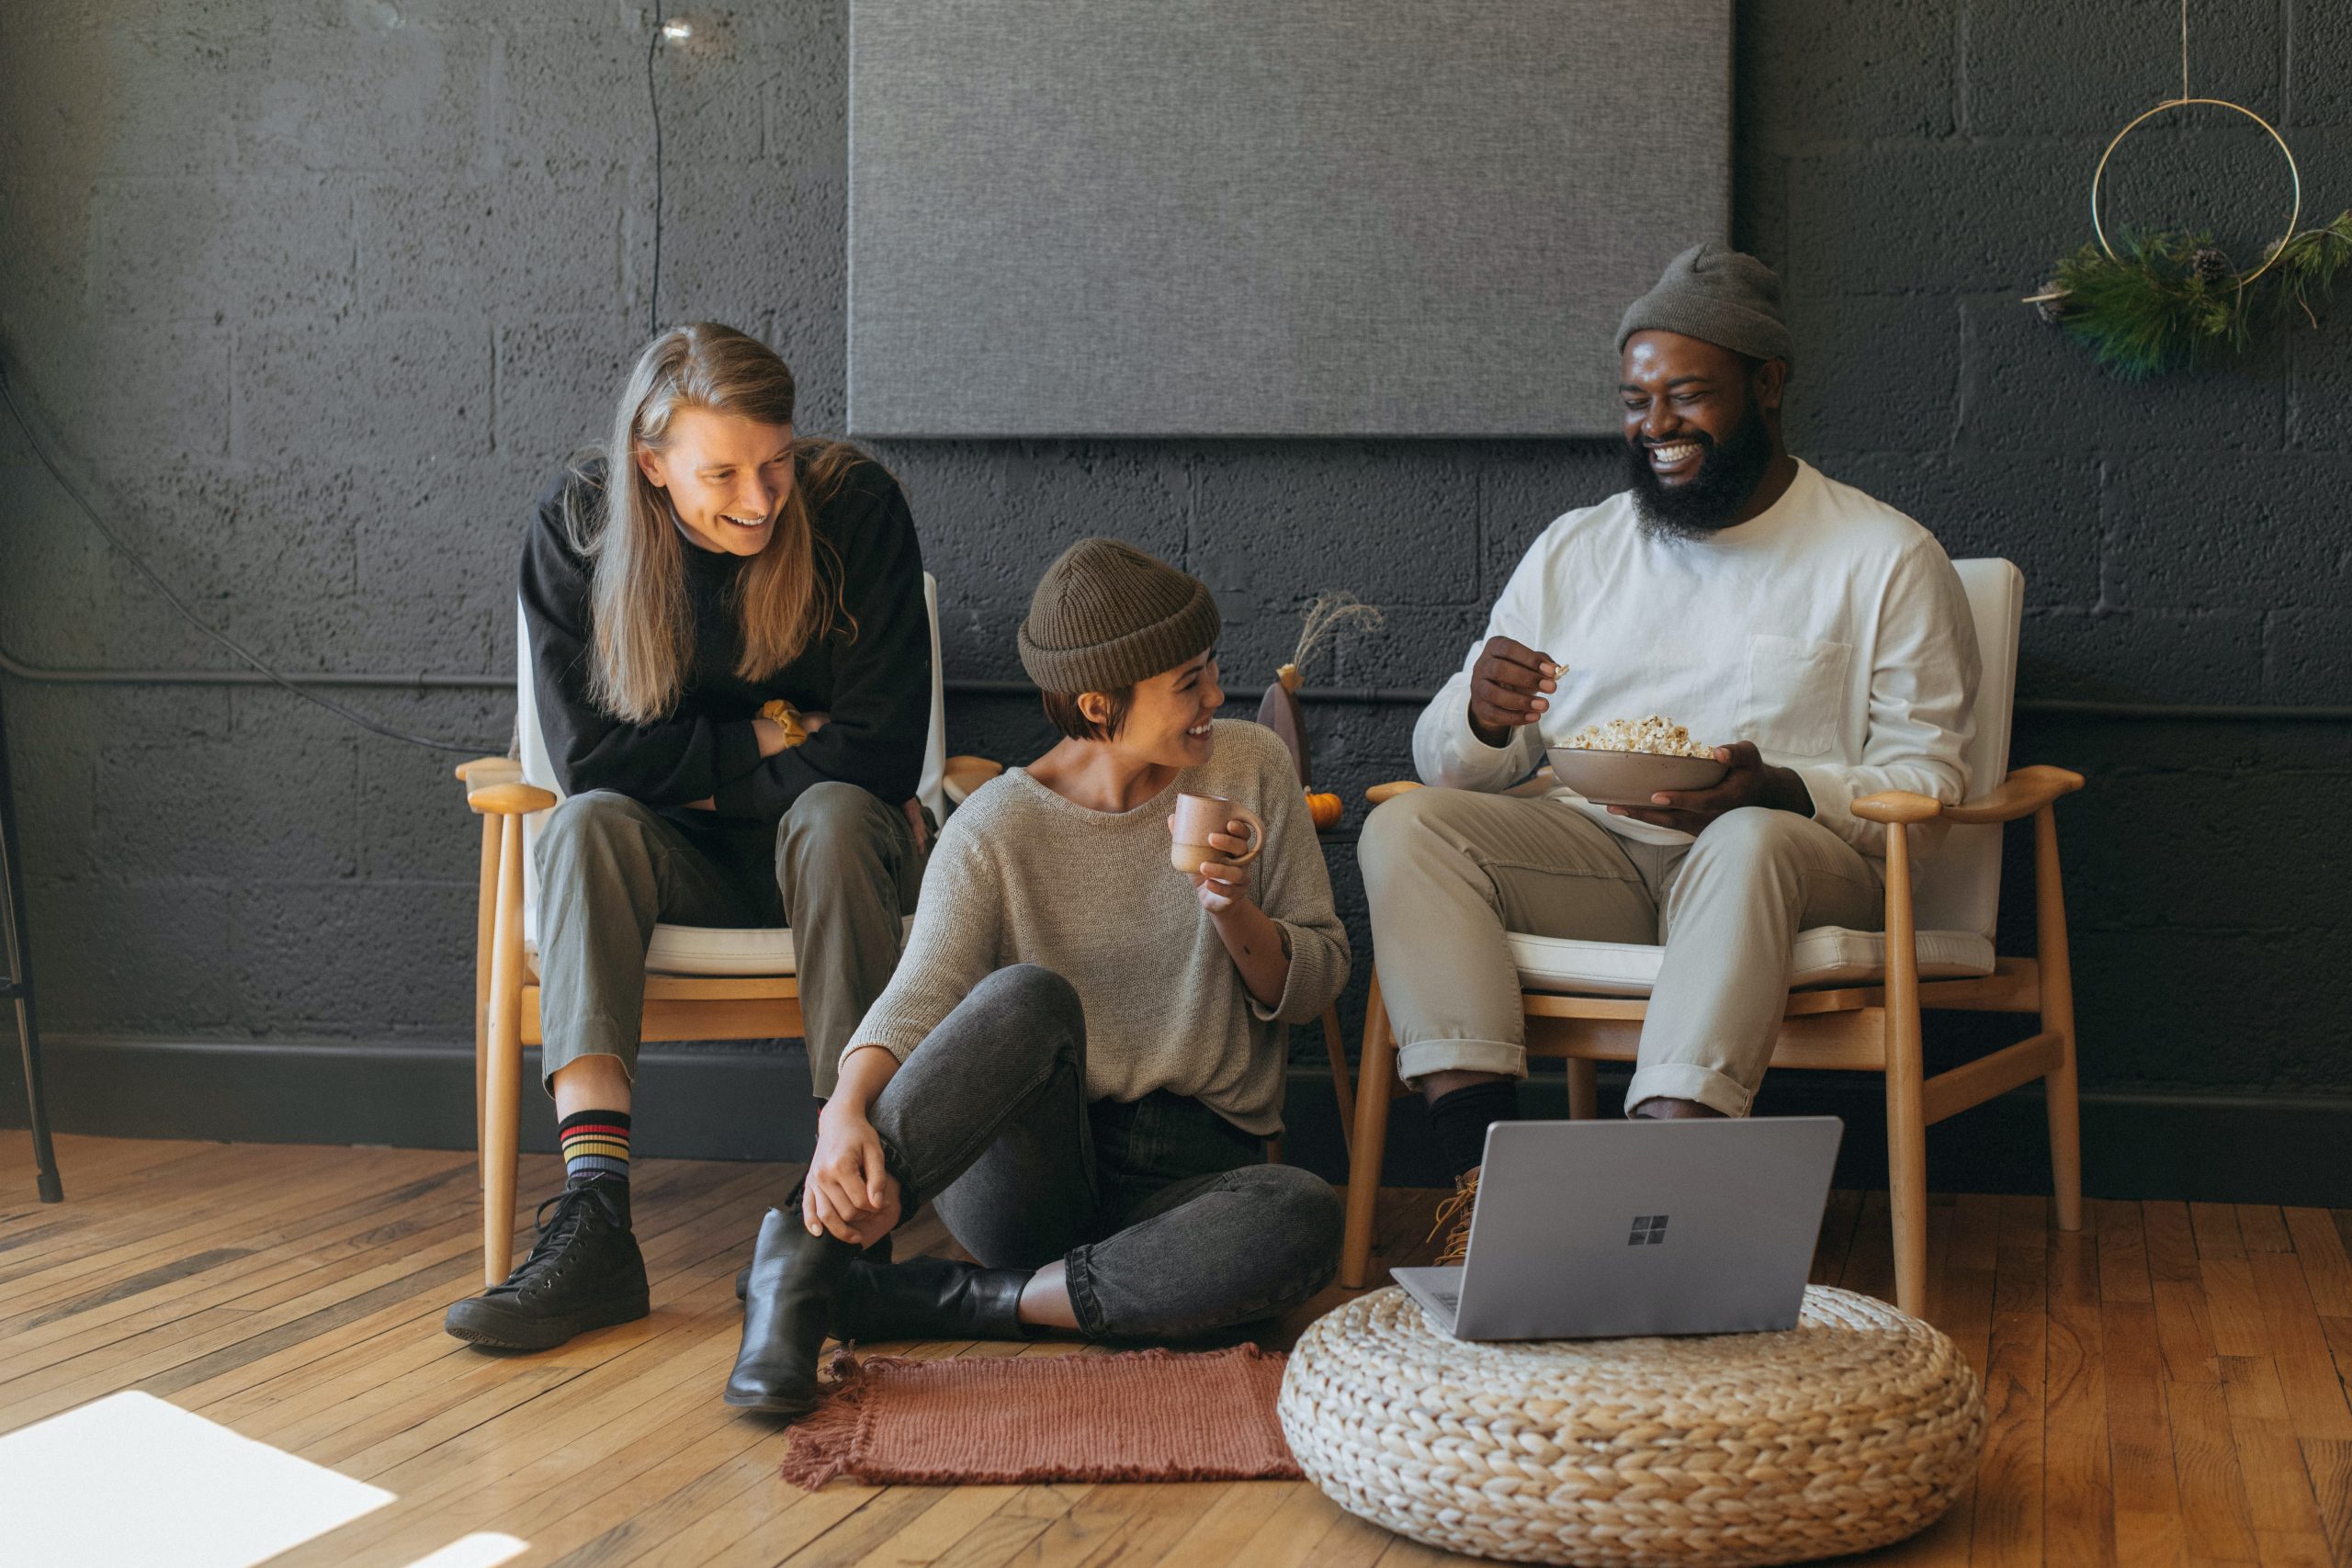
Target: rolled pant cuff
{"x": 596, "y": 1037}
{"x": 1423, "y": 1057}
{"x": 1078, "y": 1279}
{"x": 1685, "y": 1080}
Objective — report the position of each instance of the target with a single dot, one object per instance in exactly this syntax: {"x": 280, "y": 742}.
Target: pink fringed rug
{"x": 1143, "y": 1415}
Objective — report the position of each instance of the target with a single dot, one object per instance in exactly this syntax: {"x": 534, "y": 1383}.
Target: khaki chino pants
{"x": 841, "y": 869}
{"x": 1448, "y": 872}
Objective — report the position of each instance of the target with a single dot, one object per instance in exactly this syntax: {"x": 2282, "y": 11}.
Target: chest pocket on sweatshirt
{"x": 1796, "y": 693}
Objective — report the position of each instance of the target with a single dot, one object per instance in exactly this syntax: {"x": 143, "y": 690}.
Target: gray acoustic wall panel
{"x": 1254, "y": 217}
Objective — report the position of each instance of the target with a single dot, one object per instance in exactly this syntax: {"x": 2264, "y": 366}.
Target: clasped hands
{"x": 849, "y": 1193}
{"x": 1511, "y": 685}
{"x": 773, "y": 738}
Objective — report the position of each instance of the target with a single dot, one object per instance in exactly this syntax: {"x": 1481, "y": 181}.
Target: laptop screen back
{"x": 1604, "y": 1228}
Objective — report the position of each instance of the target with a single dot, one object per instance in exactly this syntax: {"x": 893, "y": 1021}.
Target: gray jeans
{"x": 1164, "y": 1214}
{"x": 841, "y": 869}
{"x": 1447, "y": 872}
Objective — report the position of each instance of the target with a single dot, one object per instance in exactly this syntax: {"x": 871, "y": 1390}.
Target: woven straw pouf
{"x": 1851, "y": 1430}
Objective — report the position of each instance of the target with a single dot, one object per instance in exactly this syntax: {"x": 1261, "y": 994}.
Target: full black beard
{"x": 1709, "y": 500}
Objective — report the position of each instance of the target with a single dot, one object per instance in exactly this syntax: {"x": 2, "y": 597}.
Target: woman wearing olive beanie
{"x": 1083, "y": 1047}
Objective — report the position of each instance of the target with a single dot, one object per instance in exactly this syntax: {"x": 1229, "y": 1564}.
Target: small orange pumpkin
{"x": 1325, "y": 808}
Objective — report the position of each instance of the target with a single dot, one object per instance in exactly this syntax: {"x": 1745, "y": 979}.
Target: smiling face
{"x": 727, "y": 477}
{"x": 1701, "y": 429}
{"x": 1168, "y": 716}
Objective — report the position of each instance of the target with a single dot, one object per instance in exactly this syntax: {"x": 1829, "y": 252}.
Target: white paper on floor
{"x": 485, "y": 1549}
{"x": 131, "y": 1481}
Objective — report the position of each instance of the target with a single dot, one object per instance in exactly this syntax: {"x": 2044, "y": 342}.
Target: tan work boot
{"x": 1456, "y": 1211}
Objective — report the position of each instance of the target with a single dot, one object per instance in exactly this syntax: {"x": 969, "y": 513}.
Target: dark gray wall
{"x": 316, "y": 292}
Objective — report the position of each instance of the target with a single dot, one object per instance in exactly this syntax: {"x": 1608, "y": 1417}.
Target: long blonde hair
{"x": 787, "y": 596}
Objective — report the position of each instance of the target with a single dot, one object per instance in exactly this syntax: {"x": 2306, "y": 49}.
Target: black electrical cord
{"x": 374, "y": 726}
{"x": 653, "y": 96}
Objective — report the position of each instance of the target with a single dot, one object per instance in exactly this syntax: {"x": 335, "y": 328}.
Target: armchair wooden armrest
{"x": 1894, "y": 807}
{"x": 1541, "y": 782}
{"x": 2022, "y": 794}
{"x": 962, "y": 776}
{"x": 508, "y": 797}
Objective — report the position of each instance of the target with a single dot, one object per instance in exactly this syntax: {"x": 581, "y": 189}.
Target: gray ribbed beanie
{"x": 1717, "y": 296}
{"x": 1106, "y": 615}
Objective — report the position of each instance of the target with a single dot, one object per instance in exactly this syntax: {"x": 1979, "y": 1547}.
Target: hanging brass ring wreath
{"x": 2170, "y": 300}
{"x": 2294, "y": 174}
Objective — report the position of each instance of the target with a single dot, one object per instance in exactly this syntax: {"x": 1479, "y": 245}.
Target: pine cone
{"x": 2211, "y": 267}
{"x": 2049, "y": 303}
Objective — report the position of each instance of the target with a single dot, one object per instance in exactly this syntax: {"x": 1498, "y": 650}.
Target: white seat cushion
{"x": 1826, "y": 955}
{"x": 721, "y": 950}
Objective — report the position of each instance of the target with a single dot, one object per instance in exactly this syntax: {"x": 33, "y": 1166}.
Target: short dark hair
{"x": 1071, "y": 720}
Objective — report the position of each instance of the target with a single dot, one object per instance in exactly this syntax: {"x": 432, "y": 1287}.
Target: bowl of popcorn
{"x": 1626, "y": 761}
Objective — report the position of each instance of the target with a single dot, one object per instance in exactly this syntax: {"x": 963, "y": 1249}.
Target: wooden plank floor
{"x": 2166, "y": 1386}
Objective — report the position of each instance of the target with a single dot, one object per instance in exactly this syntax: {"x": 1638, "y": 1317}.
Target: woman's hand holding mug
{"x": 1215, "y": 840}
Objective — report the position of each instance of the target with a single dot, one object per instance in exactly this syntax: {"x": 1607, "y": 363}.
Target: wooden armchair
{"x": 1857, "y": 997}
{"x": 702, "y": 984}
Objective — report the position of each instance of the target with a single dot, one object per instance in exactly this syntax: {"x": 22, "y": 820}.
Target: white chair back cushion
{"x": 1956, "y": 883}
{"x": 689, "y": 950}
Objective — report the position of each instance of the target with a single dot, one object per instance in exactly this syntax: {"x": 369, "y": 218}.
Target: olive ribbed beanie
{"x": 1106, "y": 615}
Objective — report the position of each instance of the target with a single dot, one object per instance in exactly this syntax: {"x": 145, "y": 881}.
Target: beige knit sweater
{"x": 1022, "y": 875}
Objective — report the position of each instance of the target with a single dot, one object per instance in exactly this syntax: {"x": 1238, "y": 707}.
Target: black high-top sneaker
{"x": 586, "y": 1273}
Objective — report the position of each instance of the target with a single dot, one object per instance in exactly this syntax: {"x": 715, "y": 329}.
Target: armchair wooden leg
{"x": 502, "y": 1106}
{"x": 1584, "y": 1088}
{"x": 1906, "y": 1119}
{"x": 485, "y": 934}
{"x": 2058, "y": 1018}
{"x": 1341, "y": 1093}
{"x": 1376, "y": 1075}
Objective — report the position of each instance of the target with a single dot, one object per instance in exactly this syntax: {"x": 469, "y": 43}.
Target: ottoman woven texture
{"x": 1853, "y": 1429}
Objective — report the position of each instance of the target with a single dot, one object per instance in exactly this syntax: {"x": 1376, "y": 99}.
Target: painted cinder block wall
{"x": 316, "y": 292}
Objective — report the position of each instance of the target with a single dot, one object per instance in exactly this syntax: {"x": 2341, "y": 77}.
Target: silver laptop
{"x": 1587, "y": 1230}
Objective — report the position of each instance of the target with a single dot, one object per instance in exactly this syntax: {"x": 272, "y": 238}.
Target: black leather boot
{"x": 795, "y": 1277}
{"x": 878, "y": 1253}
{"x": 929, "y": 1297}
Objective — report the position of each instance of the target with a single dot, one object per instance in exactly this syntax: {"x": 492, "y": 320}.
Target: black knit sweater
{"x": 876, "y": 686}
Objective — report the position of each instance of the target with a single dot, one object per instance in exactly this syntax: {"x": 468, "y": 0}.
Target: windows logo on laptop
{"x": 1649, "y": 1230}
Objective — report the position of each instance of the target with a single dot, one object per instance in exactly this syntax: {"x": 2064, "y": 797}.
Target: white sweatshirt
{"x": 1831, "y": 631}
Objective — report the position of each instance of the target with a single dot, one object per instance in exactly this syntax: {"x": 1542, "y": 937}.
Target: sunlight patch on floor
{"x": 131, "y": 1481}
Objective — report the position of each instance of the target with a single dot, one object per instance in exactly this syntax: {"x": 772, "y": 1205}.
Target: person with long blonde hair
{"x": 730, "y": 658}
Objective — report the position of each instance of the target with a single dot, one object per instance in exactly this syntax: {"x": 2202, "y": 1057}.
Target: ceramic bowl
{"x": 1630, "y": 778}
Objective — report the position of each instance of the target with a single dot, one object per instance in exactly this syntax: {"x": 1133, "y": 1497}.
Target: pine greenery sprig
{"x": 2171, "y": 301}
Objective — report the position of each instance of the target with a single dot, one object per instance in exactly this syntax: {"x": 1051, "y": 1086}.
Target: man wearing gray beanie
{"x": 1817, "y": 640}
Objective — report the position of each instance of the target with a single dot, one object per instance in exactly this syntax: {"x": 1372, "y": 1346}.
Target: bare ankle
{"x": 1045, "y": 1301}
{"x": 1667, "y": 1108}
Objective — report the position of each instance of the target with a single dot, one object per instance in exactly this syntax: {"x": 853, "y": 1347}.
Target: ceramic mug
{"x": 1198, "y": 815}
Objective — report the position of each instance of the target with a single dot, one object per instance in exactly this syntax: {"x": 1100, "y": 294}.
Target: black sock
{"x": 1460, "y": 1118}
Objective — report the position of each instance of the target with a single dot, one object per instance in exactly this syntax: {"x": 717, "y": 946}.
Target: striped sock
{"x": 595, "y": 1145}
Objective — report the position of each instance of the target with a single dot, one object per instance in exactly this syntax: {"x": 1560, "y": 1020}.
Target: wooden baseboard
{"x": 693, "y": 1102}
{"x": 737, "y": 1102}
